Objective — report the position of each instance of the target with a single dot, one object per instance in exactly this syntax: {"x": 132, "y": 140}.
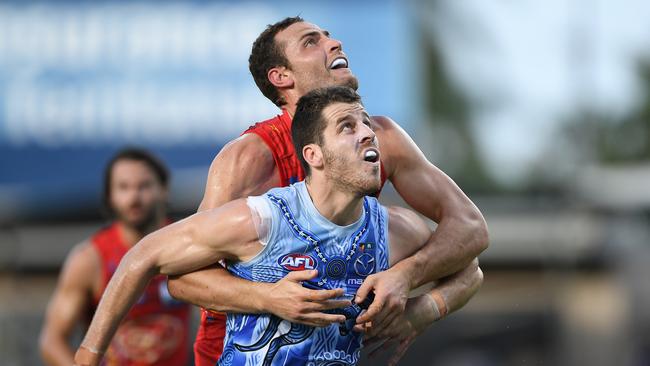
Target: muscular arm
{"x": 460, "y": 237}
{"x": 457, "y": 289}
{"x": 195, "y": 242}
{"x": 408, "y": 233}
{"x": 422, "y": 311}
{"x": 67, "y": 305}
{"x": 243, "y": 167}
{"x": 461, "y": 234}
{"x": 246, "y": 167}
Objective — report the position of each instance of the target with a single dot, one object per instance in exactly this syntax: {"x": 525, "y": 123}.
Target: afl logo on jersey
{"x": 297, "y": 262}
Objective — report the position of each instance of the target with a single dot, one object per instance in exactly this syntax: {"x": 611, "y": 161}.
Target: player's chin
{"x": 349, "y": 80}
{"x": 371, "y": 187}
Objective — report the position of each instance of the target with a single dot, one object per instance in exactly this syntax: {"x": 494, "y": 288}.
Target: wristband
{"x": 440, "y": 303}
{"x": 87, "y": 356}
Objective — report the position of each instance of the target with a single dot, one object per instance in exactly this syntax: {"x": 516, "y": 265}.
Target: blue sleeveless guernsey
{"x": 300, "y": 238}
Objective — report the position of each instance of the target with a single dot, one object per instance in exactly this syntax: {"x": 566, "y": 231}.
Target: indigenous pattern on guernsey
{"x": 300, "y": 238}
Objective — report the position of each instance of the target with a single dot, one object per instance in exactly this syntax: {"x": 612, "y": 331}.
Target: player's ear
{"x": 280, "y": 77}
{"x": 313, "y": 155}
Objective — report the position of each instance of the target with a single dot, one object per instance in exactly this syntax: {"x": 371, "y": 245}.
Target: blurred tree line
{"x": 612, "y": 140}
{"x": 589, "y": 137}
{"x": 449, "y": 111}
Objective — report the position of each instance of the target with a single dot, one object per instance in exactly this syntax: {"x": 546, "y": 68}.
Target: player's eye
{"x": 310, "y": 41}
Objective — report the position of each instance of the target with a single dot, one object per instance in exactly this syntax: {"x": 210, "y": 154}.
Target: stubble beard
{"x": 352, "y": 82}
{"x": 346, "y": 179}
{"x": 146, "y": 224}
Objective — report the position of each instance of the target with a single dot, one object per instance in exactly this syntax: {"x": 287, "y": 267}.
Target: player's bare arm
{"x": 195, "y": 242}
{"x": 461, "y": 234}
{"x": 409, "y": 233}
{"x": 75, "y": 288}
{"x": 449, "y": 295}
{"x": 245, "y": 167}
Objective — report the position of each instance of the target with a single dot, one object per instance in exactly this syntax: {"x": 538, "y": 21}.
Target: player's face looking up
{"x": 315, "y": 59}
{"x": 136, "y": 195}
{"x": 350, "y": 149}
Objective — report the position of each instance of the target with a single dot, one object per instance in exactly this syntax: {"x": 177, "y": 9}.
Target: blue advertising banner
{"x": 78, "y": 80}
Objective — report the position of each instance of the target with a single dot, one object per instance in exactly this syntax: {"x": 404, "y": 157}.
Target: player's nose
{"x": 335, "y": 45}
{"x": 367, "y": 134}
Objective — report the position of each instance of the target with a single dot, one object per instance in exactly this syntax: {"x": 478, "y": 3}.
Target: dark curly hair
{"x": 308, "y": 123}
{"x": 267, "y": 54}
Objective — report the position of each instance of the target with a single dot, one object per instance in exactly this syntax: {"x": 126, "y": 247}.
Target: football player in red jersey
{"x": 288, "y": 59}
{"x": 156, "y": 329}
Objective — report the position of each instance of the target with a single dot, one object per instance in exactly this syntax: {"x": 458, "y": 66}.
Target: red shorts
{"x": 209, "y": 338}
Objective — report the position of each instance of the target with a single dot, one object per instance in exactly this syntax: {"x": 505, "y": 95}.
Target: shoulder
{"x": 383, "y": 125}
{"x": 388, "y": 131}
{"x": 229, "y": 228}
{"x": 247, "y": 161}
{"x": 249, "y": 147}
{"x": 82, "y": 264}
{"x": 244, "y": 166}
{"x": 265, "y": 126}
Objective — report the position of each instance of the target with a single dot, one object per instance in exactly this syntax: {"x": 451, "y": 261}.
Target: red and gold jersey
{"x": 155, "y": 330}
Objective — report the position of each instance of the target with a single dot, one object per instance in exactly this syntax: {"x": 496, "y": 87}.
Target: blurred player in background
{"x": 155, "y": 331}
{"x": 289, "y": 59}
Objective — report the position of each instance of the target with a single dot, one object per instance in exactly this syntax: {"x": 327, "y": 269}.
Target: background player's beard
{"x": 146, "y": 222}
{"x": 342, "y": 173}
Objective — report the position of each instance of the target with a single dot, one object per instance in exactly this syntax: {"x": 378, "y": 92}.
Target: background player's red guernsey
{"x": 276, "y": 133}
{"x": 156, "y": 329}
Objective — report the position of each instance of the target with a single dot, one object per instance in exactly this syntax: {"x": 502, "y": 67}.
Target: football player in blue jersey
{"x": 326, "y": 223}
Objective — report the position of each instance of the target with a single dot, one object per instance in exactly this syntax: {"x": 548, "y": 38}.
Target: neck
{"x": 339, "y": 207}
{"x": 131, "y": 234}
{"x": 292, "y": 103}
